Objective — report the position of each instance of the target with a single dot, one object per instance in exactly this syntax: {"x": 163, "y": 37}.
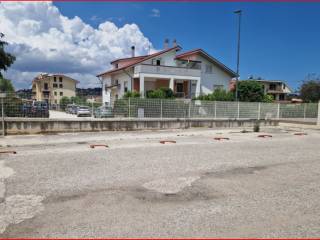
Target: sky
{"x": 279, "y": 41}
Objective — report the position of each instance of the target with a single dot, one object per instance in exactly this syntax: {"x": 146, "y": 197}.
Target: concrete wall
{"x": 34, "y": 126}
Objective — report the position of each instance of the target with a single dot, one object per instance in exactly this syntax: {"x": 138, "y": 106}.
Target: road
{"x": 57, "y": 186}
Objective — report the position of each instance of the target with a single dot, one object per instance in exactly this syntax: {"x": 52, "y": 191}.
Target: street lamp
{"x": 238, "y": 12}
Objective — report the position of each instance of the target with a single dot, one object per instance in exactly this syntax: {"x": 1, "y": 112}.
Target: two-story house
{"x": 188, "y": 74}
{"x": 278, "y": 89}
{"x": 52, "y": 87}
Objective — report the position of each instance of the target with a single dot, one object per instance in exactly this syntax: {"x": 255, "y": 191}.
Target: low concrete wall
{"x": 34, "y": 126}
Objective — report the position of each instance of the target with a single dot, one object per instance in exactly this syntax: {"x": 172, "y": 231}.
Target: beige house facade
{"x": 277, "y": 88}
{"x": 52, "y": 87}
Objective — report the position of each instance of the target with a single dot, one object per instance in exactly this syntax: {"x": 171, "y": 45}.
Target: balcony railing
{"x": 167, "y": 70}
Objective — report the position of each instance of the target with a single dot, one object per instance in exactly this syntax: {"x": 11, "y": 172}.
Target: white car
{"x": 83, "y": 111}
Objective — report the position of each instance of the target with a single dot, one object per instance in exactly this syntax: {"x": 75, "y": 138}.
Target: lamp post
{"x": 238, "y": 12}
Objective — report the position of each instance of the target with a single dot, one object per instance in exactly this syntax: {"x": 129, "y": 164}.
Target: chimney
{"x": 132, "y": 51}
{"x": 166, "y": 43}
{"x": 174, "y": 43}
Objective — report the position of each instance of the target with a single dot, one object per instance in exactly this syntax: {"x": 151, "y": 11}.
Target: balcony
{"x": 167, "y": 70}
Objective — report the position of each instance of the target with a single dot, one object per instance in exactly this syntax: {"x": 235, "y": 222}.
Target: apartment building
{"x": 52, "y": 87}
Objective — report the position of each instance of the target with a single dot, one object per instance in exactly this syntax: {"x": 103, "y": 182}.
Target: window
{"x": 208, "y": 68}
{"x": 55, "y": 85}
{"x": 61, "y": 93}
{"x": 60, "y": 85}
{"x": 125, "y": 86}
{"x": 114, "y": 82}
{"x": 55, "y": 93}
{"x": 116, "y": 65}
{"x": 272, "y": 87}
{"x": 281, "y": 97}
{"x": 158, "y": 62}
{"x": 215, "y": 87}
{"x": 45, "y": 86}
{"x": 179, "y": 87}
{"x": 60, "y": 79}
{"x": 54, "y": 79}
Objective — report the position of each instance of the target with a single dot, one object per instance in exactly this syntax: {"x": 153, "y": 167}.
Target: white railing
{"x": 167, "y": 70}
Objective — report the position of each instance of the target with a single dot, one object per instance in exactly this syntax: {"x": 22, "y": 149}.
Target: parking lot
{"x": 247, "y": 186}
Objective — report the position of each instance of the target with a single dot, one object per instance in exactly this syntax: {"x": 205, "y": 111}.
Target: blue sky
{"x": 279, "y": 40}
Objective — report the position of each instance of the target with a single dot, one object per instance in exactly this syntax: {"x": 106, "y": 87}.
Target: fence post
{"x": 129, "y": 108}
{"x": 215, "y": 109}
{"x": 318, "y": 121}
{"x": 304, "y": 111}
{"x": 259, "y": 110}
{"x": 238, "y": 115}
{"x": 161, "y": 108}
{"x": 2, "y": 117}
{"x": 278, "y": 111}
{"x": 189, "y": 114}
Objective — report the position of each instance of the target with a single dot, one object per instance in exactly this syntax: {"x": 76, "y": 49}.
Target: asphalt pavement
{"x": 134, "y": 186}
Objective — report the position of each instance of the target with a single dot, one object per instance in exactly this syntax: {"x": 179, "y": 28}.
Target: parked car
{"x": 103, "y": 112}
{"x": 83, "y": 111}
{"x": 35, "y": 109}
{"x": 71, "y": 108}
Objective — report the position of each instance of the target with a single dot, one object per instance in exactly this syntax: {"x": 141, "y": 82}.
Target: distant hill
{"x": 88, "y": 92}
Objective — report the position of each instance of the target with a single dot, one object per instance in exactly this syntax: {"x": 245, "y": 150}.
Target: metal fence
{"x": 17, "y": 105}
{"x": 167, "y": 108}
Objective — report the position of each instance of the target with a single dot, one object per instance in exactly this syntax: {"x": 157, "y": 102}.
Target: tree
{"x": 250, "y": 91}
{"x": 6, "y": 85}
{"x": 64, "y": 101}
{"x": 6, "y": 59}
{"x": 310, "y": 89}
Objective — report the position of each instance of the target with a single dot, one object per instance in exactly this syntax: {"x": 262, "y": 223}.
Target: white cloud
{"x": 43, "y": 40}
{"x": 155, "y": 12}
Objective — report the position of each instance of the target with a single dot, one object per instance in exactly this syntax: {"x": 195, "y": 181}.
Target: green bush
{"x": 268, "y": 98}
{"x": 161, "y": 93}
{"x": 132, "y": 94}
{"x": 217, "y": 95}
{"x": 12, "y": 106}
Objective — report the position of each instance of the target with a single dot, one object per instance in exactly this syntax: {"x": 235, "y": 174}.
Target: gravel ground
{"x": 57, "y": 186}
{"x": 63, "y": 115}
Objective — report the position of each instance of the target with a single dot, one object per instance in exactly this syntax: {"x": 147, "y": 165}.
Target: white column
{"x": 171, "y": 84}
{"x": 141, "y": 85}
{"x": 198, "y": 87}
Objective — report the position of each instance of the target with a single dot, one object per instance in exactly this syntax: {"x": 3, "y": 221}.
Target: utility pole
{"x": 238, "y": 12}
